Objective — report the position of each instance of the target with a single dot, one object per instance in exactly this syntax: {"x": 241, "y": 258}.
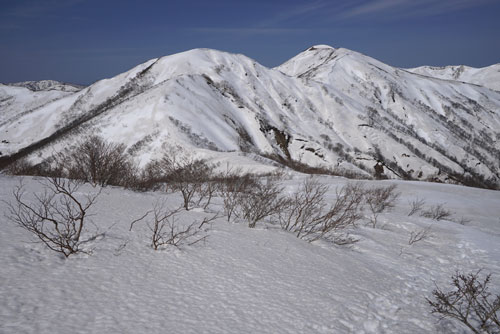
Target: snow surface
{"x": 487, "y": 76}
{"x": 44, "y": 85}
{"x": 15, "y": 101}
{"x": 244, "y": 280}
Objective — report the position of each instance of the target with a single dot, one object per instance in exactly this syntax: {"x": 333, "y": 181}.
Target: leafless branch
{"x": 419, "y": 235}
{"x": 56, "y": 217}
{"x": 436, "y": 212}
{"x": 416, "y": 206}
{"x": 380, "y": 199}
{"x": 469, "y": 302}
{"x": 308, "y": 216}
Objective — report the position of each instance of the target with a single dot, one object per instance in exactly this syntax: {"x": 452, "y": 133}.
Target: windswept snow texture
{"x": 244, "y": 280}
{"x": 325, "y": 107}
{"x": 487, "y": 76}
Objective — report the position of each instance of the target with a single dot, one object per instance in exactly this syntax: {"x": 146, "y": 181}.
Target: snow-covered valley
{"x": 246, "y": 280}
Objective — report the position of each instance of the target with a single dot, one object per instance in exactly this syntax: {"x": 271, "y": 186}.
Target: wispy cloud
{"x": 248, "y": 30}
{"x": 294, "y": 12}
{"x": 321, "y": 14}
{"x": 276, "y": 23}
{"x": 408, "y": 8}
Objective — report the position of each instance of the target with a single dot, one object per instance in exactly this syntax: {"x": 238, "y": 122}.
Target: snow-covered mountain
{"x": 22, "y": 97}
{"x": 487, "y": 76}
{"x": 47, "y": 85}
{"x": 325, "y": 107}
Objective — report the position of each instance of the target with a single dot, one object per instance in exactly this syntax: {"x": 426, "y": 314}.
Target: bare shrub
{"x": 462, "y": 220}
{"x": 309, "y": 217}
{"x": 206, "y": 193}
{"x": 99, "y": 162}
{"x": 149, "y": 178}
{"x": 416, "y": 206}
{"x": 260, "y": 202}
{"x": 380, "y": 199}
{"x": 232, "y": 186}
{"x": 305, "y": 207}
{"x": 419, "y": 235}
{"x": 21, "y": 167}
{"x": 56, "y": 217}
{"x": 343, "y": 239}
{"x": 188, "y": 176}
{"x": 436, "y": 212}
{"x": 45, "y": 168}
{"x": 167, "y": 231}
{"x": 469, "y": 302}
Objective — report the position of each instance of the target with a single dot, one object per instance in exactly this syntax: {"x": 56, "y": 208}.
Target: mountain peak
{"x": 320, "y": 46}
{"x": 317, "y": 58}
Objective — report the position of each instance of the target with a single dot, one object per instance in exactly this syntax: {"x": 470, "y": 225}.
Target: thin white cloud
{"x": 247, "y": 31}
{"x": 373, "y": 7}
{"x": 408, "y": 8}
{"x": 294, "y": 12}
{"x": 324, "y": 11}
{"x": 273, "y": 24}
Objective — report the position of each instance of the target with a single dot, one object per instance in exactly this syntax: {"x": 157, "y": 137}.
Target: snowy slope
{"x": 408, "y": 119}
{"x": 487, "y": 76}
{"x": 22, "y": 97}
{"x": 326, "y": 106}
{"x": 47, "y": 85}
{"x": 243, "y": 280}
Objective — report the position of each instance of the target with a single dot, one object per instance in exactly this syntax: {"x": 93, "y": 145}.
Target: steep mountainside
{"x": 487, "y": 76}
{"x": 324, "y": 107}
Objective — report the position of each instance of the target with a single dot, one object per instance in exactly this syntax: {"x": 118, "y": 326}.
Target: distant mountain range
{"x": 327, "y": 107}
{"x": 486, "y": 76}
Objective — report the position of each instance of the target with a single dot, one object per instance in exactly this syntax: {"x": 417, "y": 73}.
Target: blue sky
{"x": 81, "y": 41}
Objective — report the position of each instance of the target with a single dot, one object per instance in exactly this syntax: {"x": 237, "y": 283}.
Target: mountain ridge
{"x": 47, "y": 85}
{"x": 324, "y": 107}
{"x": 488, "y": 76}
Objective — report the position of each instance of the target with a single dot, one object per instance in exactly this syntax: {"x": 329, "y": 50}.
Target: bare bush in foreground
{"x": 260, "y": 202}
{"x": 436, "y": 212}
{"x": 309, "y": 217}
{"x": 232, "y": 186}
{"x": 99, "y": 162}
{"x": 462, "y": 220}
{"x": 56, "y": 217}
{"x": 380, "y": 199}
{"x": 189, "y": 176}
{"x": 469, "y": 302}
{"x": 419, "y": 235}
{"x": 166, "y": 230}
{"x": 416, "y": 206}
{"x": 206, "y": 193}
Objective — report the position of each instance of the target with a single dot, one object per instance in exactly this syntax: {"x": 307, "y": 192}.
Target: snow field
{"x": 242, "y": 280}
